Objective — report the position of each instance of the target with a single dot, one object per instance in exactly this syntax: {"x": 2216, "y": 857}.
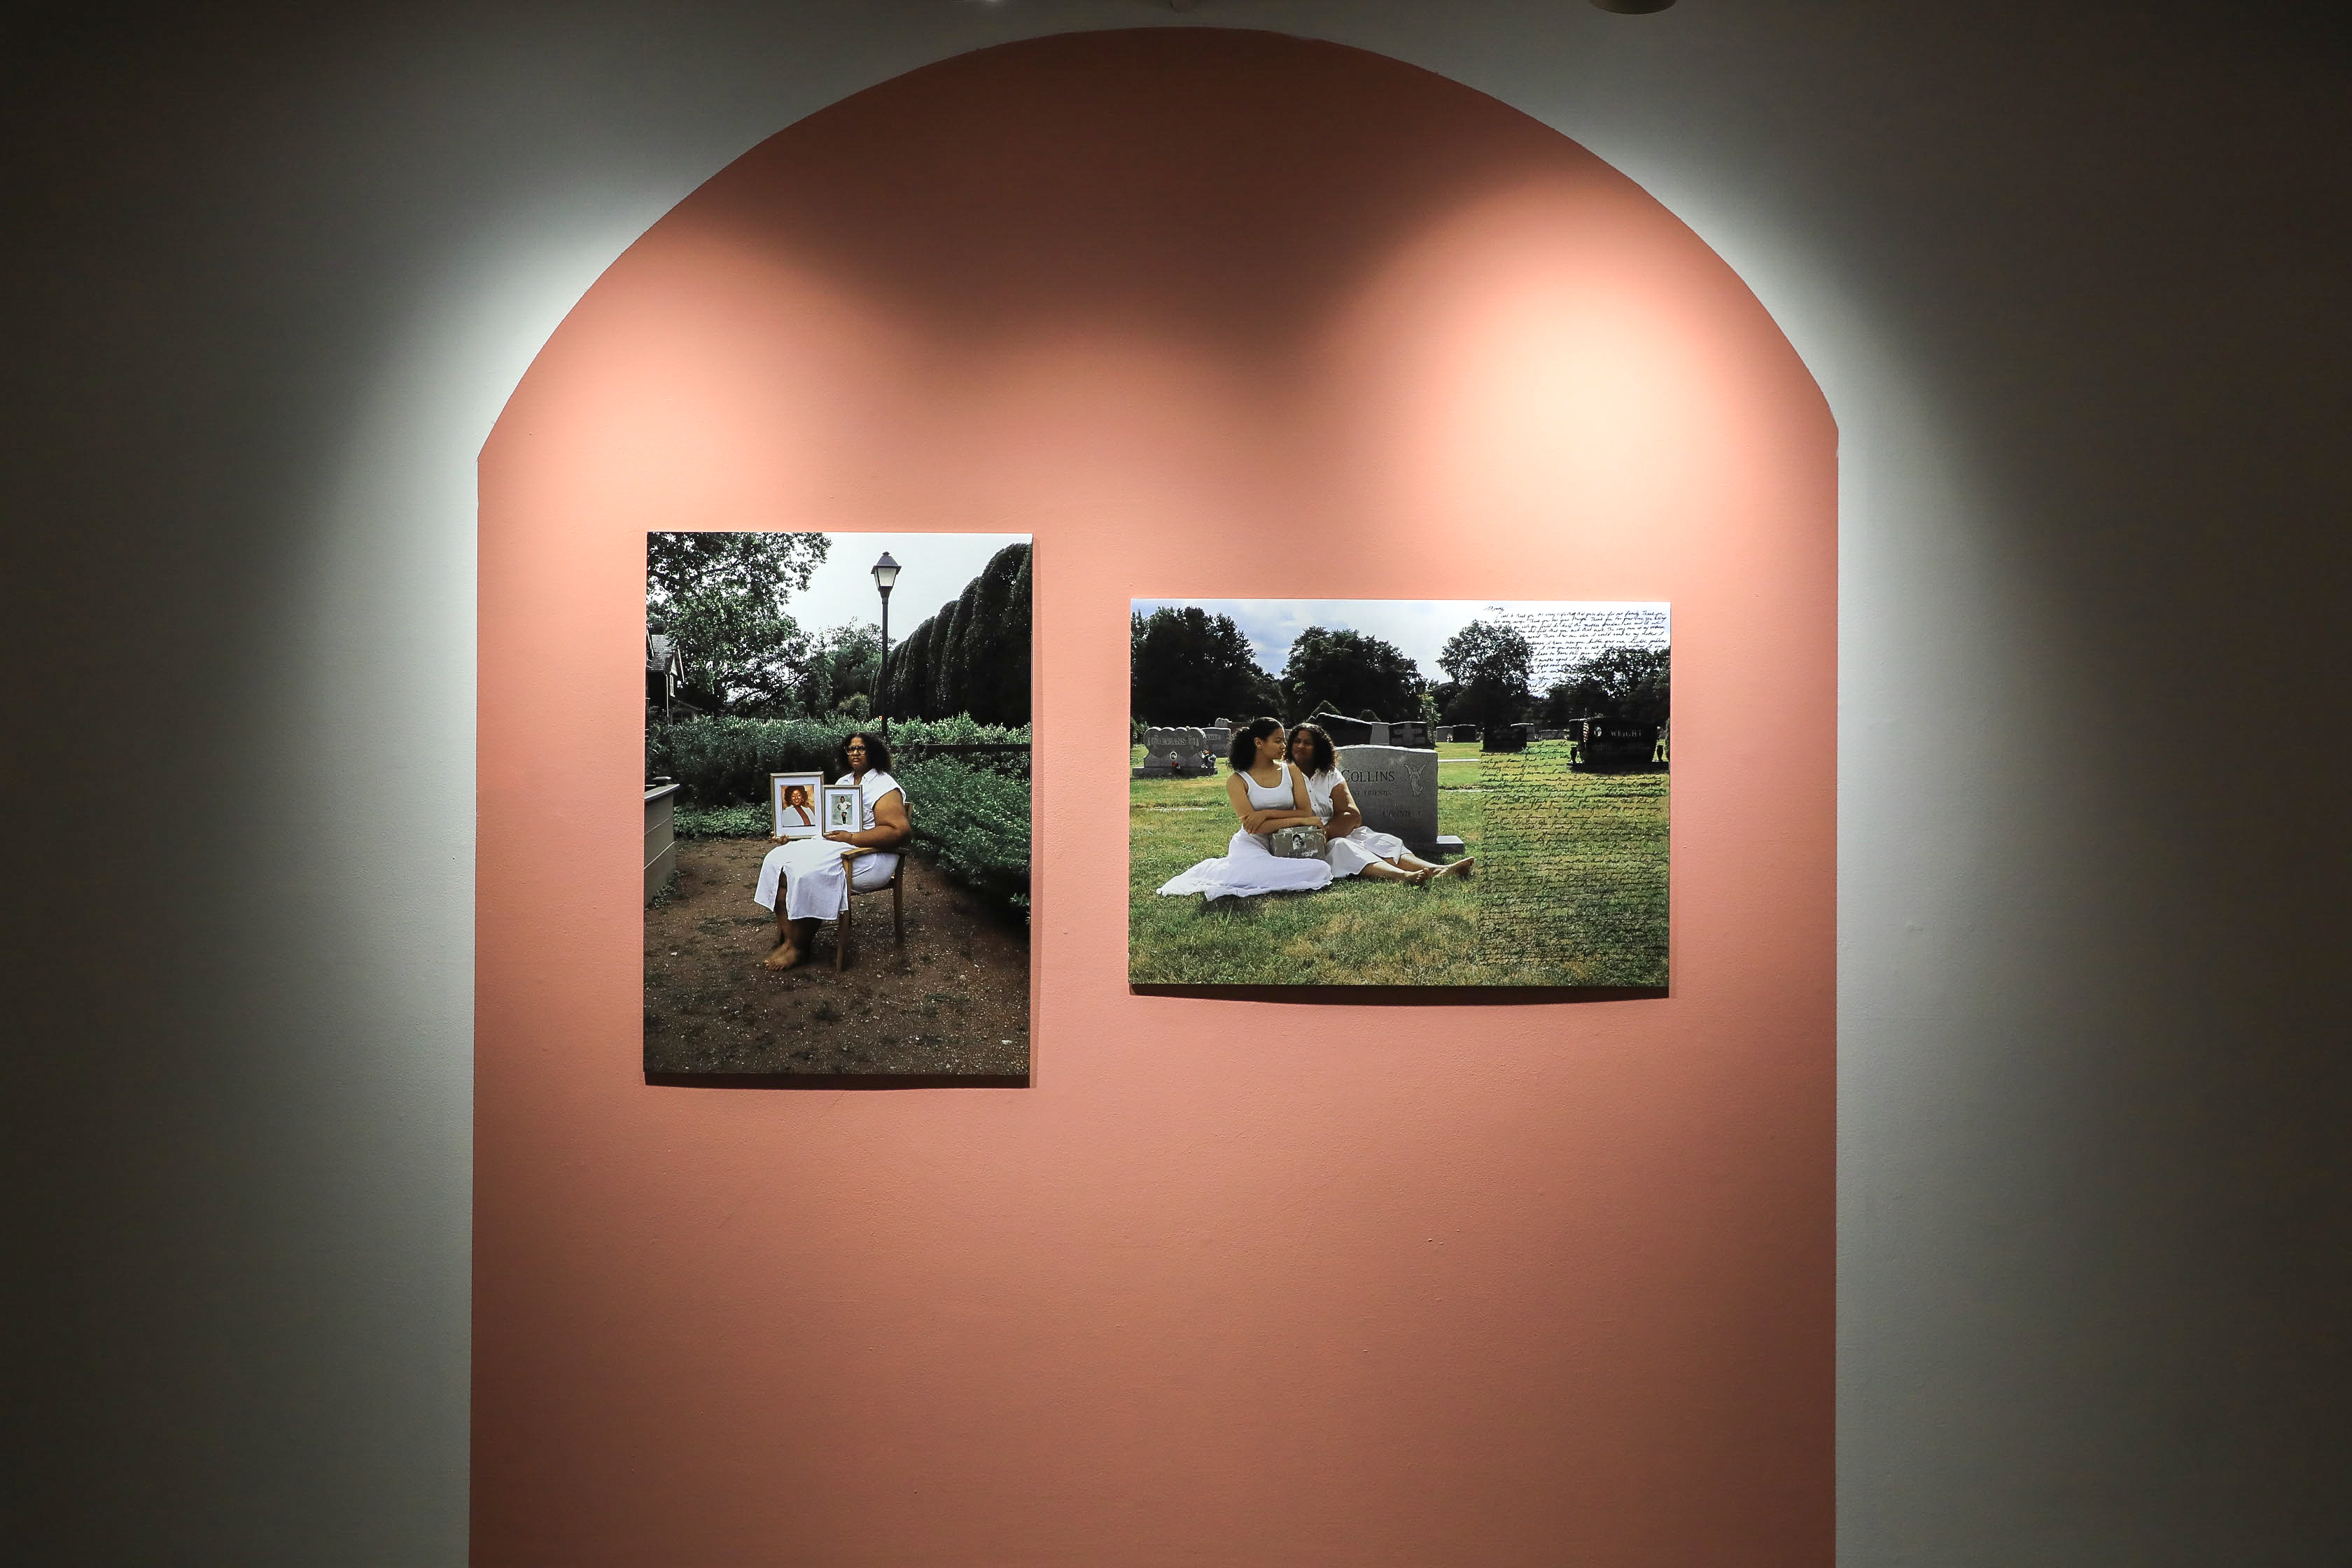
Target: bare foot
{"x": 1458, "y": 868}
{"x": 784, "y": 957}
{"x": 1423, "y": 878}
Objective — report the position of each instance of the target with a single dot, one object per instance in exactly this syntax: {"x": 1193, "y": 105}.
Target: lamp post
{"x": 886, "y": 573}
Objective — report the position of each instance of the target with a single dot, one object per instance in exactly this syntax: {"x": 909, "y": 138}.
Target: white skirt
{"x": 1360, "y": 848}
{"x": 814, "y": 887}
{"x": 1247, "y": 868}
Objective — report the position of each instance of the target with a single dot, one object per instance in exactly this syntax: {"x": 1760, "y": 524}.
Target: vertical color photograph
{"x": 1398, "y": 793}
{"x": 836, "y": 808}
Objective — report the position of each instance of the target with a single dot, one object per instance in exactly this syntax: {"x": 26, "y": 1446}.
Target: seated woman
{"x": 814, "y": 884}
{"x": 1265, "y": 795}
{"x": 1356, "y": 849}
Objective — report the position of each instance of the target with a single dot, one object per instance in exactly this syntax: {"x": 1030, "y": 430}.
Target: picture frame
{"x": 793, "y": 806}
{"x": 843, "y": 808}
{"x": 748, "y": 975}
{"x": 1513, "y": 821}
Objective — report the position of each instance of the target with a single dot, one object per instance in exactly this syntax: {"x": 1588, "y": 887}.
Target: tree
{"x": 1189, "y": 668}
{"x": 1348, "y": 672}
{"x": 910, "y": 672}
{"x": 995, "y": 655}
{"x": 972, "y": 656}
{"x": 1489, "y": 666}
{"x": 1630, "y": 684}
{"x": 720, "y": 598}
{"x": 838, "y": 673}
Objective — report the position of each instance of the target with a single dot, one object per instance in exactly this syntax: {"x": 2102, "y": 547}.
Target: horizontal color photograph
{"x": 1398, "y": 793}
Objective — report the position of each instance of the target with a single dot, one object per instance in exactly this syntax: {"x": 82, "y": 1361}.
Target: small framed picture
{"x": 844, "y": 807}
{"x": 793, "y": 803}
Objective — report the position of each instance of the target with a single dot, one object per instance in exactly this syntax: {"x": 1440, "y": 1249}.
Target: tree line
{"x": 721, "y": 600}
{"x": 972, "y": 656}
{"x": 1187, "y": 666}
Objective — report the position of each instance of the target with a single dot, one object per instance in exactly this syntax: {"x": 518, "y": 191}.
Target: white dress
{"x": 810, "y": 868}
{"x": 1357, "y": 849}
{"x": 1247, "y": 866}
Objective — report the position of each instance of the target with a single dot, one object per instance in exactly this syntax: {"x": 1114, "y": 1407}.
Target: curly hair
{"x": 1243, "y": 756}
{"x": 1323, "y": 758}
{"x": 877, "y": 751}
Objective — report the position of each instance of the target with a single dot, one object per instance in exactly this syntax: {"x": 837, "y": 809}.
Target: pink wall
{"x": 1209, "y": 314}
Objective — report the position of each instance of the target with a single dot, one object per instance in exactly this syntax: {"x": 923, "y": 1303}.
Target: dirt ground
{"x": 954, "y": 1002}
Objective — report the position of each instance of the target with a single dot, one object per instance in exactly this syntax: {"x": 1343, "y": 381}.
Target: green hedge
{"x": 721, "y": 822}
{"x": 719, "y": 761}
{"x": 971, "y": 822}
{"x": 973, "y": 825}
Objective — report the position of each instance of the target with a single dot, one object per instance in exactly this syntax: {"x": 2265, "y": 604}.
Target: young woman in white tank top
{"x": 1266, "y": 794}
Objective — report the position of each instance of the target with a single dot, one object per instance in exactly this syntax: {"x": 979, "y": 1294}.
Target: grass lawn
{"x": 1586, "y": 907}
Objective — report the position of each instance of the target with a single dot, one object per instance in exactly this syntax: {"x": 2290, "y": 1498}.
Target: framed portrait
{"x": 793, "y": 805}
{"x": 843, "y": 808}
{"x": 785, "y": 634}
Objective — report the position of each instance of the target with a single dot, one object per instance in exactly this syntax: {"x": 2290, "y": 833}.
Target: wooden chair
{"x": 849, "y": 903}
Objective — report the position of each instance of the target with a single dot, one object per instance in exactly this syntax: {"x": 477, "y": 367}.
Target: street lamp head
{"x": 886, "y": 571}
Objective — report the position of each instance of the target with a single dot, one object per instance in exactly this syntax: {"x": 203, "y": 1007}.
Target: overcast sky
{"x": 1419, "y": 627}
{"x": 932, "y": 570}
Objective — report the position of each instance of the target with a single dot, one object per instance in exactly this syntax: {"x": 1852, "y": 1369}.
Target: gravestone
{"x": 1614, "y": 743}
{"x": 1507, "y": 738}
{"x": 1396, "y": 789}
{"x": 1218, "y": 742}
{"x": 1172, "y": 754}
{"x": 1347, "y": 731}
{"x": 1410, "y": 733}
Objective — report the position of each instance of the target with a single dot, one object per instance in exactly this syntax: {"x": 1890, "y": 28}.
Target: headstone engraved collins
{"x": 1396, "y": 789}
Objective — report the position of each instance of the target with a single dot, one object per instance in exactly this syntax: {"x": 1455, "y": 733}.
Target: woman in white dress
{"x": 1265, "y": 795}
{"x": 803, "y": 880}
{"x": 1356, "y": 849}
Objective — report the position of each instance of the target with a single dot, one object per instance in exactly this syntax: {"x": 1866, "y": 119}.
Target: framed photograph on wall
{"x": 1491, "y": 778}
{"x": 791, "y": 680}
{"x": 843, "y": 807}
{"x": 793, "y": 805}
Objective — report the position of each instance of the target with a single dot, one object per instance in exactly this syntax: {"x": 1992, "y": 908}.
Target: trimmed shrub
{"x": 721, "y": 822}
{"x": 720, "y": 761}
{"x": 973, "y": 825}
{"x": 972, "y": 655}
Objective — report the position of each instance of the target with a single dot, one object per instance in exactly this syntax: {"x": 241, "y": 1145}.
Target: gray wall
{"x": 2074, "y": 280}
